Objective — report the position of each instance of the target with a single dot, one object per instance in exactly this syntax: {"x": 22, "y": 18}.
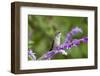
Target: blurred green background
{"x": 42, "y": 29}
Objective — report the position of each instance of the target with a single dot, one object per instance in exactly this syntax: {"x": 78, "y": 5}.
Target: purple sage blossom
{"x": 76, "y": 30}
{"x": 74, "y": 42}
{"x": 85, "y": 40}
{"x": 51, "y": 54}
{"x": 48, "y": 55}
{"x": 31, "y": 54}
{"x": 73, "y": 32}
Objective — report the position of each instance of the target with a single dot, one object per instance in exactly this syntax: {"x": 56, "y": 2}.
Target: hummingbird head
{"x": 58, "y": 35}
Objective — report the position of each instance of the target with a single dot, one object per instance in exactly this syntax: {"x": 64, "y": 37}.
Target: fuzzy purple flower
{"x": 76, "y": 30}
{"x": 71, "y": 44}
{"x": 73, "y": 32}
{"x": 52, "y": 53}
{"x": 85, "y": 40}
{"x": 49, "y": 55}
{"x": 31, "y": 54}
{"x": 76, "y": 42}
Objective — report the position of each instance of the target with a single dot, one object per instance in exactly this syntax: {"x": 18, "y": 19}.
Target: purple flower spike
{"x": 62, "y": 52}
{"x": 31, "y": 54}
{"x": 76, "y": 42}
{"x": 85, "y": 39}
{"x": 69, "y": 46}
{"x": 49, "y": 55}
{"x": 74, "y": 31}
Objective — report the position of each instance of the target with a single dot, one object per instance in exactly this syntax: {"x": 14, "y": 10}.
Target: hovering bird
{"x": 57, "y": 42}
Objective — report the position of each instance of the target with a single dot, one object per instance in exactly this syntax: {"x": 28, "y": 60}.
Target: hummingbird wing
{"x": 56, "y": 41}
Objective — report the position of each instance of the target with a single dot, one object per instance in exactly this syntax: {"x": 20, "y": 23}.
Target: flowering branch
{"x": 68, "y": 44}
{"x": 31, "y": 55}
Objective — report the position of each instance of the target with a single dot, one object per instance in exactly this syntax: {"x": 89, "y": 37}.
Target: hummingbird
{"x": 57, "y": 42}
